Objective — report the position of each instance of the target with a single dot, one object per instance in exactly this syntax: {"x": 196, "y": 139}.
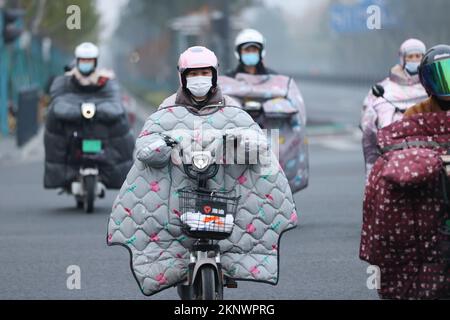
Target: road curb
{"x": 33, "y": 150}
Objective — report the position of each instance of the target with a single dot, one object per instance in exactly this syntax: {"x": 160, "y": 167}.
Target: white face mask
{"x": 199, "y": 86}
{"x": 412, "y": 67}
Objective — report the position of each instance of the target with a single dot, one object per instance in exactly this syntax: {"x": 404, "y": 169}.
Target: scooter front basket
{"x": 207, "y": 214}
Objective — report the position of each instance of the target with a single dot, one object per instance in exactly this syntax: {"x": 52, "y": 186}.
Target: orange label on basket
{"x": 213, "y": 219}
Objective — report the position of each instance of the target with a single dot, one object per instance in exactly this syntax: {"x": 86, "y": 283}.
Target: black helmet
{"x": 434, "y": 71}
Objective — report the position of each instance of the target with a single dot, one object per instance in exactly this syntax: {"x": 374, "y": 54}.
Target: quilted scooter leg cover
{"x": 146, "y": 215}
{"x": 404, "y": 210}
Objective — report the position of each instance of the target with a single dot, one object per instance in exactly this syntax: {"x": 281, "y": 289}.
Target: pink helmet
{"x": 411, "y": 46}
{"x": 198, "y": 57}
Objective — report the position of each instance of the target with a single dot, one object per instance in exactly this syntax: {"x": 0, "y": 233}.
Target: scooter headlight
{"x": 252, "y": 106}
{"x": 88, "y": 110}
{"x": 201, "y": 160}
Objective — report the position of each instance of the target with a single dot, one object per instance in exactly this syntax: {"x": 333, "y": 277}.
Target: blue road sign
{"x": 353, "y": 17}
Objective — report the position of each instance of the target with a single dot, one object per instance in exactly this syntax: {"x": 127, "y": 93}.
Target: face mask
{"x": 199, "y": 86}
{"x": 250, "y": 59}
{"x": 86, "y": 67}
{"x": 412, "y": 68}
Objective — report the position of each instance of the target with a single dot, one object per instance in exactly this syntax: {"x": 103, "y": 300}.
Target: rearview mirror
{"x": 378, "y": 91}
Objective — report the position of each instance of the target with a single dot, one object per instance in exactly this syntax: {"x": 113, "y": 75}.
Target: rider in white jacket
{"x": 402, "y": 91}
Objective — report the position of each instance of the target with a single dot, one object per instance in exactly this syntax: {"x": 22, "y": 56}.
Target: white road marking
{"x": 345, "y": 142}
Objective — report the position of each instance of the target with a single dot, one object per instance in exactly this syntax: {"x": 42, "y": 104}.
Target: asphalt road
{"x": 338, "y": 103}
{"x": 42, "y": 234}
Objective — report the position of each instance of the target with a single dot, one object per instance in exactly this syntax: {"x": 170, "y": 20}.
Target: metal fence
{"x": 29, "y": 63}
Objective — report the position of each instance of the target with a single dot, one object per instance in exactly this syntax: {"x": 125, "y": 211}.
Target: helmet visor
{"x": 437, "y": 76}
{"x": 251, "y": 44}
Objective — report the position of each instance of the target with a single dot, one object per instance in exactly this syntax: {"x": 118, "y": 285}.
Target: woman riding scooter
{"x": 149, "y": 214}
{"x": 275, "y": 103}
{"x": 402, "y": 89}
{"x": 406, "y": 219}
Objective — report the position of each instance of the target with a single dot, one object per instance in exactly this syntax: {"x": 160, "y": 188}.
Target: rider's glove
{"x": 155, "y": 151}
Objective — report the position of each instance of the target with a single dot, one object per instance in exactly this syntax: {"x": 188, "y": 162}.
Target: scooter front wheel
{"x": 208, "y": 287}
{"x": 89, "y": 185}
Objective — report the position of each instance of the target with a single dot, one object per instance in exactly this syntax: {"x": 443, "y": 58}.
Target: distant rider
{"x": 402, "y": 88}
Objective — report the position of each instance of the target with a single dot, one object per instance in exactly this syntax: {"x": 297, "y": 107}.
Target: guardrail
{"x": 27, "y": 65}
